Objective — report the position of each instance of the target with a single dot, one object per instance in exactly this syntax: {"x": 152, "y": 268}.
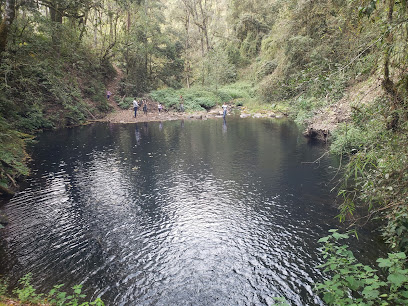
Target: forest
{"x": 302, "y": 57}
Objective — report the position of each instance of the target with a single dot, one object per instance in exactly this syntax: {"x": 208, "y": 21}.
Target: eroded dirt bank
{"x": 326, "y": 119}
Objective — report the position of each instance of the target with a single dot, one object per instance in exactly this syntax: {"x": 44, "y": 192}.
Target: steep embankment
{"x": 327, "y": 119}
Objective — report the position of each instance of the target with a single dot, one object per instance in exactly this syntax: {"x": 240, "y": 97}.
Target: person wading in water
{"x": 224, "y": 107}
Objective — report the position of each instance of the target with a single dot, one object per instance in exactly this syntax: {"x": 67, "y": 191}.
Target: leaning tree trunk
{"x": 9, "y": 14}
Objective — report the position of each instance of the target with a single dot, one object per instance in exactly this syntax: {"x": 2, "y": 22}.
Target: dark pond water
{"x": 175, "y": 213}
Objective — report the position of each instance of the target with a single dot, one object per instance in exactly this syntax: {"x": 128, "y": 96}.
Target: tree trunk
{"x": 389, "y": 39}
{"x": 187, "y": 46}
{"x": 56, "y": 18}
{"x": 387, "y": 83}
{"x": 84, "y": 21}
{"x": 8, "y": 17}
{"x": 110, "y": 15}
{"x": 204, "y": 21}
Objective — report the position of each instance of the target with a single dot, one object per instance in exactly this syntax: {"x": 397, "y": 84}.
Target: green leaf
{"x": 370, "y": 293}
{"x": 400, "y": 255}
{"x": 404, "y": 294}
{"x": 339, "y": 236}
{"x": 329, "y": 298}
{"x": 323, "y": 240}
{"x": 384, "y": 262}
{"x": 397, "y": 279}
{"x": 369, "y": 269}
{"x": 353, "y": 283}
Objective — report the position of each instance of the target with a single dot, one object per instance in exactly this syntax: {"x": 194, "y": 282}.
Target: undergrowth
{"x": 44, "y": 89}
{"x": 376, "y": 177}
{"x": 204, "y": 98}
{"x": 27, "y": 294}
{"x": 352, "y": 283}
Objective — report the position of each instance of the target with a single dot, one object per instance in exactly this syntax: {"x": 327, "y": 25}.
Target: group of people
{"x": 143, "y": 103}
{"x": 136, "y": 106}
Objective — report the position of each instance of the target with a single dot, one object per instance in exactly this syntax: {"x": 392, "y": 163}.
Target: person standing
{"x": 145, "y": 107}
{"x": 135, "y": 106}
{"x": 224, "y": 107}
{"x": 159, "y": 107}
{"x": 108, "y": 94}
{"x": 181, "y": 104}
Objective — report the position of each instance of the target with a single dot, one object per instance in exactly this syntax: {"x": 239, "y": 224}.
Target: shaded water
{"x": 175, "y": 213}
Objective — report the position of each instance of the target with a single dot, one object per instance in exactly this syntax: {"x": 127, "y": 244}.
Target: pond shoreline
{"x": 127, "y": 115}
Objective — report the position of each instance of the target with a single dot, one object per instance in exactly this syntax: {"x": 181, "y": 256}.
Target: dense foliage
{"x": 353, "y": 283}
{"x": 27, "y": 295}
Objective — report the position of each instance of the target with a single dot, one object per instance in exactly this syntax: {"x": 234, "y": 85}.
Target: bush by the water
{"x": 124, "y": 103}
{"x": 352, "y": 283}
{"x": 26, "y": 294}
{"x": 12, "y": 153}
{"x": 200, "y": 98}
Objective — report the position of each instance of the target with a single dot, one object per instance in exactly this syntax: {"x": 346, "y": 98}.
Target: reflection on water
{"x": 224, "y": 125}
{"x": 174, "y": 213}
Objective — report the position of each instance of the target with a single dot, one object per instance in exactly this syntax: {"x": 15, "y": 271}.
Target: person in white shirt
{"x": 224, "y": 107}
{"x": 135, "y": 106}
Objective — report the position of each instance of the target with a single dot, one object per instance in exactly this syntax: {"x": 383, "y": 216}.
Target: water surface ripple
{"x": 174, "y": 213}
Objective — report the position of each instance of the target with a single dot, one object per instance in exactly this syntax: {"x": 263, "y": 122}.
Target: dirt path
{"x": 113, "y": 87}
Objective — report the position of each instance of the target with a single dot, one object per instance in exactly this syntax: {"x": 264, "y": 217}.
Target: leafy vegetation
{"x": 201, "y": 98}
{"x": 353, "y": 283}
{"x": 27, "y": 294}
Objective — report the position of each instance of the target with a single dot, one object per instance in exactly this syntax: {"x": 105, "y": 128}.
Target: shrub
{"x": 365, "y": 131}
{"x": 352, "y": 283}
{"x": 27, "y": 294}
{"x": 125, "y": 103}
{"x": 12, "y": 153}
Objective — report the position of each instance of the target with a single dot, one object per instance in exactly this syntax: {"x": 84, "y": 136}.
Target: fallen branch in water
{"x": 317, "y": 160}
